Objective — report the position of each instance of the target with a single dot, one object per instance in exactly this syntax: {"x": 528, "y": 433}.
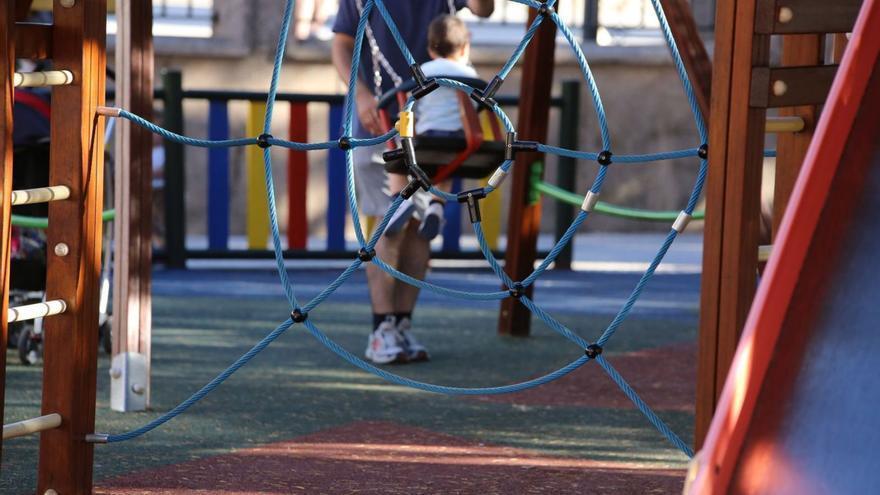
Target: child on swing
{"x": 437, "y": 114}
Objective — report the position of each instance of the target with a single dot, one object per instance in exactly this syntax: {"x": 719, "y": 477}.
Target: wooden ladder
{"x": 745, "y": 85}
{"x": 75, "y": 43}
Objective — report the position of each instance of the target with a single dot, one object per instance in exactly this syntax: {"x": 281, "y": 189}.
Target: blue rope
{"x": 640, "y": 404}
{"x": 207, "y": 389}
{"x": 645, "y": 158}
{"x": 370, "y": 244}
{"x": 177, "y": 138}
{"x": 440, "y": 389}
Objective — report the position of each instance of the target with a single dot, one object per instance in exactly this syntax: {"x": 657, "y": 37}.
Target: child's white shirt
{"x": 439, "y": 110}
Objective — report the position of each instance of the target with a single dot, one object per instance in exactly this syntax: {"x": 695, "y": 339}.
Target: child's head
{"x": 448, "y": 37}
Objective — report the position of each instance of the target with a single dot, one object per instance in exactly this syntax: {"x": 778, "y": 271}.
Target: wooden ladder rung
{"x": 42, "y": 78}
{"x": 40, "y": 195}
{"x": 34, "y": 311}
{"x": 764, "y": 253}
{"x": 30, "y": 426}
{"x": 790, "y": 86}
{"x": 784, "y": 124}
{"x": 806, "y": 16}
{"x": 33, "y": 40}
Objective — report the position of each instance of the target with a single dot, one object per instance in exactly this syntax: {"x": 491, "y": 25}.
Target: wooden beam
{"x": 797, "y": 50}
{"x": 692, "y": 50}
{"x": 733, "y": 189}
{"x": 33, "y": 40}
{"x": 791, "y": 86}
{"x": 70, "y": 340}
{"x": 806, "y": 16}
{"x": 133, "y": 228}
{"x": 7, "y": 70}
{"x": 22, "y": 8}
{"x": 525, "y": 215}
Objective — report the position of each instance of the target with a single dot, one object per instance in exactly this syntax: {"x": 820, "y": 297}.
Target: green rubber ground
{"x": 297, "y": 387}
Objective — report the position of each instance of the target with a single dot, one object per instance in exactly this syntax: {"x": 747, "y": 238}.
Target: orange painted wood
{"x": 731, "y": 235}
{"x": 844, "y": 148}
{"x": 524, "y": 217}
{"x": 791, "y": 147}
{"x": 7, "y": 69}
{"x": 70, "y": 340}
{"x": 134, "y": 206}
{"x": 33, "y": 40}
{"x": 691, "y": 48}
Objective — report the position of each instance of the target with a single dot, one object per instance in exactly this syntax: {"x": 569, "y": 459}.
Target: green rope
{"x": 608, "y": 209}
{"x": 43, "y": 222}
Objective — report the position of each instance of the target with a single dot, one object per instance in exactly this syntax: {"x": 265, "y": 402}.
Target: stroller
{"x": 27, "y": 276}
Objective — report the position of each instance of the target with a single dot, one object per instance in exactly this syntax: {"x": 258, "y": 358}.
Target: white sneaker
{"x": 400, "y": 217}
{"x": 385, "y": 345}
{"x": 414, "y": 350}
{"x": 432, "y": 221}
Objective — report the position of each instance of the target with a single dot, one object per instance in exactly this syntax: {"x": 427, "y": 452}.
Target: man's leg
{"x": 384, "y": 344}
{"x": 414, "y": 254}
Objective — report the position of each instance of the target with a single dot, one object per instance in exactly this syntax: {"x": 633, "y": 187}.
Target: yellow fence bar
{"x": 257, "y": 206}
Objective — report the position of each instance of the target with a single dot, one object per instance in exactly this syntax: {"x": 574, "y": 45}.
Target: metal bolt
{"x": 785, "y": 15}
{"x": 779, "y": 87}
{"x": 62, "y": 249}
{"x": 137, "y": 388}
{"x": 50, "y": 492}
{"x": 115, "y": 373}
{"x": 68, "y": 3}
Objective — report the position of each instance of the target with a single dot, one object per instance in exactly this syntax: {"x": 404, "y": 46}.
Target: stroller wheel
{"x": 105, "y": 333}
{"x": 29, "y": 346}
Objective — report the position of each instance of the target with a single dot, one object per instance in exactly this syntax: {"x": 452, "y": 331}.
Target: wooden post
{"x": 733, "y": 191}
{"x": 797, "y": 50}
{"x": 525, "y": 216}
{"x": 7, "y": 69}
{"x": 133, "y": 228}
{"x": 70, "y": 340}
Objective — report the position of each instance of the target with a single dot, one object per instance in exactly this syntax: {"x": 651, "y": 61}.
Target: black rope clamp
{"x": 424, "y": 85}
{"x": 512, "y": 146}
{"x": 345, "y": 143}
{"x": 545, "y": 9}
{"x": 418, "y": 180}
{"x": 486, "y": 97}
{"x": 472, "y": 199}
{"x": 263, "y": 140}
{"x": 604, "y": 158}
{"x": 593, "y": 351}
{"x": 517, "y": 291}
{"x": 703, "y": 152}
{"x": 407, "y": 152}
{"x": 298, "y": 316}
{"x": 366, "y": 256}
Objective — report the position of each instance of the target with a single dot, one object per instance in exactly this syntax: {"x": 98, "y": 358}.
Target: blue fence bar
{"x": 336, "y": 193}
{"x": 452, "y": 229}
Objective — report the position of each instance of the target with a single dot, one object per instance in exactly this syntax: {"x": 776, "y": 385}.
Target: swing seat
{"x": 475, "y": 155}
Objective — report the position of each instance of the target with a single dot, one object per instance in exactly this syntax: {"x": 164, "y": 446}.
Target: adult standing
{"x": 382, "y": 67}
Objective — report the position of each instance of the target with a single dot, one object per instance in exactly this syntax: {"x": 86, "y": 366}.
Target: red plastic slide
{"x": 799, "y": 410}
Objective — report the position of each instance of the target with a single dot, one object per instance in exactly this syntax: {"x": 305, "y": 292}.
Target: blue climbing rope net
{"x": 300, "y": 312}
